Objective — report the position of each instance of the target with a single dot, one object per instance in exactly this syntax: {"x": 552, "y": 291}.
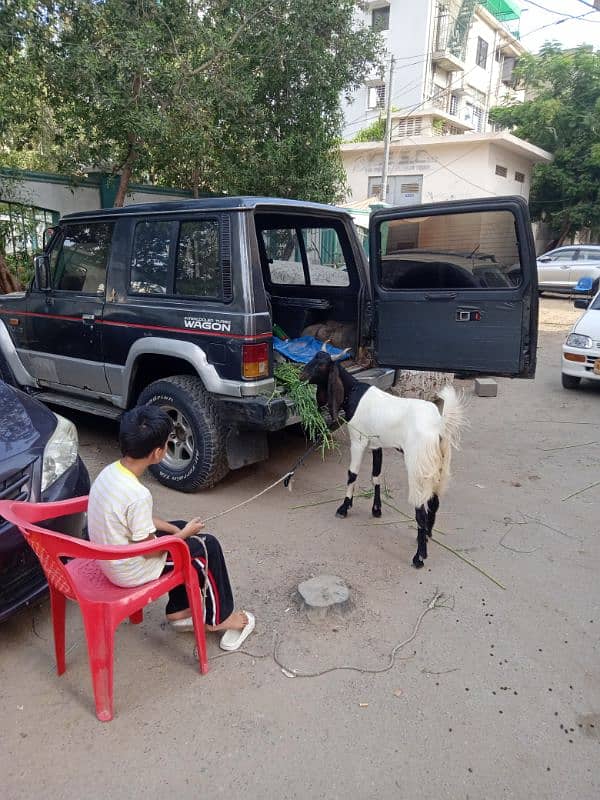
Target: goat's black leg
{"x": 343, "y": 509}
{"x": 422, "y": 528}
{"x": 432, "y": 506}
{"x": 376, "y": 477}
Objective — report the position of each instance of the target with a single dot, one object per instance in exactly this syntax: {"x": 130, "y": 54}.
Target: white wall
{"x": 470, "y": 169}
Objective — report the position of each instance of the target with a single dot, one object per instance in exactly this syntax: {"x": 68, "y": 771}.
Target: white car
{"x": 559, "y": 270}
{"x": 581, "y": 350}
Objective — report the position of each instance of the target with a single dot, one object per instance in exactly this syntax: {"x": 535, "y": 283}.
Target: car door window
{"x": 589, "y": 255}
{"x": 453, "y": 251}
{"x": 566, "y": 255}
{"x": 326, "y": 262}
{"x": 79, "y": 260}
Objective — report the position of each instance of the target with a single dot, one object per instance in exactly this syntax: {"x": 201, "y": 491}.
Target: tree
{"x": 562, "y": 117}
{"x": 213, "y": 95}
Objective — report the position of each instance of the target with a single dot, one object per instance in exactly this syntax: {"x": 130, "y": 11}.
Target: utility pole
{"x": 388, "y": 135}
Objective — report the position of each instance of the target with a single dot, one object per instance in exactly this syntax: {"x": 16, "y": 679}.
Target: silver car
{"x": 560, "y": 269}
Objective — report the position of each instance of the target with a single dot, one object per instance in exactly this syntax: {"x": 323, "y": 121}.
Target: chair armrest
{"x": 37, "y": 512}
{"x": 74, "y": 548}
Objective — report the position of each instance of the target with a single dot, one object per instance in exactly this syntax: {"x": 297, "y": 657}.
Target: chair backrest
{"x": 49, "y": 546}
{"x": 43, "y": 545}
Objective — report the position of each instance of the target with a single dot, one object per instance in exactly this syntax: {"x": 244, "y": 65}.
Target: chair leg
{"x": 57, "y": 605}
{"x": 196, "y": 606}
{"x": 136, "y": 618}
{"x": 100, "y": 640}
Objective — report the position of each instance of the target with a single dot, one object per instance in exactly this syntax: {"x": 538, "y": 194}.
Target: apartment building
{"x": 453, "y": 61}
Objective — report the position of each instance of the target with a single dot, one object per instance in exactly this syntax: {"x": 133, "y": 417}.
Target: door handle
{"x": 88, "y": 319}
{"x": 441, "y": 298}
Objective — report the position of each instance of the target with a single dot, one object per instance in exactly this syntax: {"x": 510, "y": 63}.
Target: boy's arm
{"x": 165, "y": 527}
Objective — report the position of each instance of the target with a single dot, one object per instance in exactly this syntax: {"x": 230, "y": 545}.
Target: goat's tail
{"x": 453, "y": 421}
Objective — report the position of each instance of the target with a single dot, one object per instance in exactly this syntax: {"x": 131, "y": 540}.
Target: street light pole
{"x": 388, "y": 135}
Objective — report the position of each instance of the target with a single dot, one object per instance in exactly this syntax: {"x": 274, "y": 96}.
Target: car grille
{"x": 16, "y": 487}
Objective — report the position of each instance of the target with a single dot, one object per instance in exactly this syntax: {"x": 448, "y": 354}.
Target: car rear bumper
{"x": 274, "y": 413}
{"x": 582, "y": 368}
{"x": 22, "y": 580}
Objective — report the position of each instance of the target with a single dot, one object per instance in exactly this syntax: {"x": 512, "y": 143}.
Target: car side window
{"x": 150, "y": 258}
{"x": 468, "y": 250}
{"x": 78, "y": 262}
{"x": 326, "y": 262}
{"x": 589, "y": 255}
{"x": 565, "y": 255}
{"x": 284, "y": 255}
{"x": 198, "y": 264}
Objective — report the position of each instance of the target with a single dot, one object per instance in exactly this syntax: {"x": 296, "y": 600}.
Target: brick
{"x": 486, "y": 387}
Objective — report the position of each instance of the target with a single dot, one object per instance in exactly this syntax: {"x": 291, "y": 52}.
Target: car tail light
{"x": 255, "y": 360}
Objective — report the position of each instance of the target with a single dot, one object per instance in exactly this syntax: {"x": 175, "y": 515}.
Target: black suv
{"x": 177, "y": 303}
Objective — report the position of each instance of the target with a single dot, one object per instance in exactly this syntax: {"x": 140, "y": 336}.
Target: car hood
{"x": 25, "y": 423}
{"x": 589, "y": 324}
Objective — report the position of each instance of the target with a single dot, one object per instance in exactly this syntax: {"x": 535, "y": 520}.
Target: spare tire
{"x": 195, "y": 457}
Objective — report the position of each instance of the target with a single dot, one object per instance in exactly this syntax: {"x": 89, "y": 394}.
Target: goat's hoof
{"x": 376, "y": 511}
{"x": 430, "y": 534}
{"x": 417, "y": 563}
{"x": 341, "y": 513}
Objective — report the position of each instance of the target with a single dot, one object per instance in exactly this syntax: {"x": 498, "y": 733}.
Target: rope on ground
{"x": 249, "y": 499}
{"x": 437, "y": 601}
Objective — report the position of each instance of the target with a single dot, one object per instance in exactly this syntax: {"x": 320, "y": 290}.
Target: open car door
{"x": 455, "y": 287}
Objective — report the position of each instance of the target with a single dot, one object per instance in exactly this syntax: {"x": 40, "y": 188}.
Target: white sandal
{"x": 182, "y": 625}
{"x": 233, "y": 640}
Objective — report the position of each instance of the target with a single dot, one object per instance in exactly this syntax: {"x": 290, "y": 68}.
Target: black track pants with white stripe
{"x": 218, "y": 604}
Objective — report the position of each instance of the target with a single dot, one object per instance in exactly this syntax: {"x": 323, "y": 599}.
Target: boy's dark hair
{"x": 142, "y": 430}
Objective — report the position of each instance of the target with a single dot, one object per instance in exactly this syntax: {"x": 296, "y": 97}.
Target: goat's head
{"x": 324, "y": 372}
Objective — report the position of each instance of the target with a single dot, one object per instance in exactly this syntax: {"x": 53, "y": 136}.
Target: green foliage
{"x": 213, "y": 95}
{"x": 564, "y": 118}
{"x": 303, "y": 394}
{"x": 375, "y": 132}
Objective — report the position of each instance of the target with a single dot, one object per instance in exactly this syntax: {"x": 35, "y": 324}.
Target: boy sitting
{"x": 120, "y": 512}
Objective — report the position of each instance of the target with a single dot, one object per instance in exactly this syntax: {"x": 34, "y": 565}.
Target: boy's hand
{"x": 193, "y": 527}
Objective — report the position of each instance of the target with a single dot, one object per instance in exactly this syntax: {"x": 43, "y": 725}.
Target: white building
{"x": 453, "y": 61}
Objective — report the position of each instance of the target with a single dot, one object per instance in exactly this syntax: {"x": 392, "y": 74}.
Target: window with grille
{"x": 520, "y": 177}
{"x": 501, "y": 171}
{"x": 380, "y": 19}
{"x": 377, "y": 96}
{"x": 408, "y": 127}
{"x": 453, "y": 109}
{"x": 482, "y": 53}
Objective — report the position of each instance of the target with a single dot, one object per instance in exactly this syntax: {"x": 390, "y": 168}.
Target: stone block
{"x": 486, "y": 387}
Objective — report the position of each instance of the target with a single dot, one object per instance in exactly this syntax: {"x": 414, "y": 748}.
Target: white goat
{"x": 376, "y": 420}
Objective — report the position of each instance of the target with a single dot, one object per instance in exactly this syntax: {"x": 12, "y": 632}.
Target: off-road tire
{"x": 208, "y": 465}
{"x": 569, "y": 381}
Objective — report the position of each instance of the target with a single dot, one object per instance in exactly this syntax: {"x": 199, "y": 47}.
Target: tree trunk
{"x": 124, "y": 180}
{"x": 8, "y": 282}
{"x": 566, "y": 230}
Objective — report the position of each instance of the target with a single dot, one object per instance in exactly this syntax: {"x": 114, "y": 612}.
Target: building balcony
{"x": 447, "y": 52}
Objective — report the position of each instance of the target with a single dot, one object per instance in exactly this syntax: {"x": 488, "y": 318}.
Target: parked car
{"x": 581, "y": 350}
{"x": 175, "y": 304}
{"x": 559, "y": 270}
{"x": 39, "y": 461}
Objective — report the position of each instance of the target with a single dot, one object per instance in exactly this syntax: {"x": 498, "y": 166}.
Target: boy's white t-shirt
{"x": 120, "y": 513}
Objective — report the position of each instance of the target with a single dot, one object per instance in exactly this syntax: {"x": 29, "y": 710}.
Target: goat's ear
{"x": 335, "y": 392}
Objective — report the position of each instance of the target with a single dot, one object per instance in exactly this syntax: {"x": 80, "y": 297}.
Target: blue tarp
{"x": 304, "y": 348}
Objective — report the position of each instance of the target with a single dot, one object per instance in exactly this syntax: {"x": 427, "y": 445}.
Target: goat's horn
{"x": 340, "y": 355}
{"x": 324, "y": 346}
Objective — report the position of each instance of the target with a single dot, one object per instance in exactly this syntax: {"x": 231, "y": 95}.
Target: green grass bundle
{"x": 303, "y": 394}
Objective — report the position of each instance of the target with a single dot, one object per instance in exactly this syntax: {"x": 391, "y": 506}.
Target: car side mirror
{"x": 582, "y": 302}
{"x": 544, "y": 260}
{"x": 41, "y": 265}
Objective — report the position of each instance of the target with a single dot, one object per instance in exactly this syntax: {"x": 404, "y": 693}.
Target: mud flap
{"x": 246, "y": 447}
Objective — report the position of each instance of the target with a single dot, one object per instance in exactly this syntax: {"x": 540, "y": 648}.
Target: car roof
{"x": 207, "y": 204}
{"x": 576, "y": 247}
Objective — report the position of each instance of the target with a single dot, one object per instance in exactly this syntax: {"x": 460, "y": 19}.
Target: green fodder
{"x": 303, "y": 394}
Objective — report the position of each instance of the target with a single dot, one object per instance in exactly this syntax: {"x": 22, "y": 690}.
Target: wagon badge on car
{"x": 207, "y": 324}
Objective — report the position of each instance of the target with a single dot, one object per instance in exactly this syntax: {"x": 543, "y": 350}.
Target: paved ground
{"x": 498, "y": 696}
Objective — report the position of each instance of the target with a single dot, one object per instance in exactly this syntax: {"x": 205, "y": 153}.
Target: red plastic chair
{"x": 103, "y": 605}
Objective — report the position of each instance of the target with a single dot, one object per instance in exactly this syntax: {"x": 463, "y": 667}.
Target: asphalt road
{"x": 497, "y": 696}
